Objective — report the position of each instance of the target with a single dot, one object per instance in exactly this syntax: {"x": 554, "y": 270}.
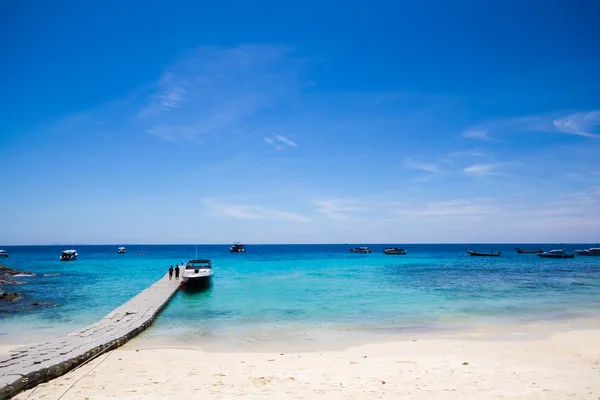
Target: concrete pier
{"x": 28, "y": 366}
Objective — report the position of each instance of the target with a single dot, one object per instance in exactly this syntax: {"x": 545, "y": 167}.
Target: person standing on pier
{"x": 170, "y": 272}
{"x": 177, "y": 272}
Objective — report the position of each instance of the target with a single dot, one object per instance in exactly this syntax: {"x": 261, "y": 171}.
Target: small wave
{"x": 51, "y": 274}
{"x": 28, "y": 274}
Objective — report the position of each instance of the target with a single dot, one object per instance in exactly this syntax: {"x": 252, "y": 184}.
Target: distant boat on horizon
{"x": 121, "y": 250}
{"x": 528, "y": 251}
{"x": 3, "y": 253}
{"x": 363, "y": 250}
{"x": 394, "y": 251}
{"x": 592, "y": 251}
{"x": 237, "y": 248}
{"x": 490, "y": 254}
{"x": 557, "y": 253}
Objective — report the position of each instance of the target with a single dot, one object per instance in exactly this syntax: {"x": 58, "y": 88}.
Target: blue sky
{"x": 320, "y": 122}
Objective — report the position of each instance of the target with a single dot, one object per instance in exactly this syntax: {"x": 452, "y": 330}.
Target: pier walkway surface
{"x": 28, "y": 366}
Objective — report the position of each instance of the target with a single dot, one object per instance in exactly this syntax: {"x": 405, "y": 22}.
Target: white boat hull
{"x": 196, "y": 279}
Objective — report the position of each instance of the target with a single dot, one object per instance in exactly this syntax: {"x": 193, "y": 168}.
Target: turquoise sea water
{"x": 286, "y": 289}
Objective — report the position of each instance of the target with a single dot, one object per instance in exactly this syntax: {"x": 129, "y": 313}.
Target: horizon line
{"x": 292, "y": 244}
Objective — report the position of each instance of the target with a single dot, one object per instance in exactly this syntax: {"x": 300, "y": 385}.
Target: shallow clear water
{"x": 290, "y": 289}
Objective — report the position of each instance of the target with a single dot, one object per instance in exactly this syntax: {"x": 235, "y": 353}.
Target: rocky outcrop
{"x": 10, "y": 301}
{"x": 6, "y": 278}
{"x": 6, "y": 281}
{"x": 7, "y": 275}
{"x": 9, "y": 296}
{"x": 5, "y": 271}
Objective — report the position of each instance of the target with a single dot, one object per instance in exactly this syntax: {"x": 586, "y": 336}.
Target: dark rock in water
{"x": 9, "y": 296}
{"x": 44, "y": 304}
{"x": 6, "y": 281}
{"x": 6, "y": 275}
{"x": 4, "y": 270}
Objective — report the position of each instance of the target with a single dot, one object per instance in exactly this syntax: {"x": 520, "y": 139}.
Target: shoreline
{"x": 311, "y": 339}
{"x": 468, "y": 365}
{"x": 261, "y": 338}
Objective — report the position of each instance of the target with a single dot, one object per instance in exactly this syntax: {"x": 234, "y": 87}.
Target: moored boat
{"x": 121, "y": 250}
{"x": 490, "y": 254}
{"x": 3, "y": 253}
{"x": 237, "y": 248}
{"x": 197, "y": 273}
{"x": 360, "y": 250}
{"x": 529, "y": 251}
{"x": 593, "y": 251}
{"x": 68, "y": 255}
{"x": 394, "y": 251}
{"x": 557, "y": 253}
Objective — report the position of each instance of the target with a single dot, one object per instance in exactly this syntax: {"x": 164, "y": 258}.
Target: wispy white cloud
{"x": 574, "y": 123}
{"x": 175, "y": 133}
{"x": 476, "y": 208}
{"x": 506, "y": 219}
{"x": 251, "y": 212}
{"x": 278, "y": 141}
{"x": 467, "y": 153}
{"x": 427, "y": 167}
{"x": 480, "y": 134}
{"x": 339, "y": 208}
{"x": 285, "y": 140}
{"x": 219, "y": 91}
{"x": 348, "y": 208}
{"x": 581, "y": 124}
{"x": 172, "y": 91}
{"x": 481, "y": 169}
{"x": 580, "y": 210}
{"x": 417, "y": 213}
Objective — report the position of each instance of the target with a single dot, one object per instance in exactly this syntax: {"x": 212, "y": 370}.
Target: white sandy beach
{"x": 557, "y": 366}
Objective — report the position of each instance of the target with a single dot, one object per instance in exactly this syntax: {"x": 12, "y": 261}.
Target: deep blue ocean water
{"x": 286, "y": 288}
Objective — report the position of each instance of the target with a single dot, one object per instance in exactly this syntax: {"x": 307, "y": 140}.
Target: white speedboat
{"x": 594, "y": 251}
{"x": 68, "y": 255}
{"x": 3, "y": 253}
{"x": 121, "y": 250}
{"x": 197, "y": 273}
{"x": 237, "y": 248}
{"x": 360, "y": 250}
{"x": 394, "y": 251}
